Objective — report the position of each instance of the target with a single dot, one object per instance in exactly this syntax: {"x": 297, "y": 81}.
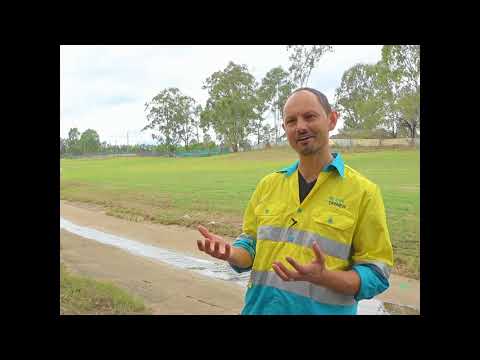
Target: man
{"x": 314, "y": 235}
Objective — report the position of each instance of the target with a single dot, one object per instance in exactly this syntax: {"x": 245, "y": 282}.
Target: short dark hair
{"x": 320, "y": 96}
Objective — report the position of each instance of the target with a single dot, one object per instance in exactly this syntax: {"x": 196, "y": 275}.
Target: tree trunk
{"x": 276, "y": 126}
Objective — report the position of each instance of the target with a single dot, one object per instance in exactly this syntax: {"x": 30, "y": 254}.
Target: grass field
{"x": 84, "y": 296}
{"x": 188, "y": 191}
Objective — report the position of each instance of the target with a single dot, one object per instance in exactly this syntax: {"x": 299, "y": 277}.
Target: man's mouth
{"x": 303, "y": 138}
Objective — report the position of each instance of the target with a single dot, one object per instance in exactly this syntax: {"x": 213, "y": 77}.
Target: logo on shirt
{"x": 334, "y": 201}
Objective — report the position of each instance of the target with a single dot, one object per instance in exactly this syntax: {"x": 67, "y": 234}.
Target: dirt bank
{"x": 159, "y": 283}
{"x": 156, "y": 283}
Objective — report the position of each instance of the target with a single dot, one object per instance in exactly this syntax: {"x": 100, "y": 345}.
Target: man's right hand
{"x": 214, "y": 245}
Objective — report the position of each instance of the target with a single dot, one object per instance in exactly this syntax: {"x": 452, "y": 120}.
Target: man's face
{"x": 306, "y": 123}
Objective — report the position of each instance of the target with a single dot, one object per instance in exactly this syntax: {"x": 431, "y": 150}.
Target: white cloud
{"x": 105, "y": 87}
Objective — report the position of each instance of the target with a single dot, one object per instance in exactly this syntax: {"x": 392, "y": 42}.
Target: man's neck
{"x": 310, "y": 166}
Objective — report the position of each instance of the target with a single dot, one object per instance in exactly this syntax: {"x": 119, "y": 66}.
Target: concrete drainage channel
{"x": 208, "y": 268}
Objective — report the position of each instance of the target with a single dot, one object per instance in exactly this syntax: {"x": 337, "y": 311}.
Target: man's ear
{"x": 283, "y": 126}
{"x": 333, "y": 117}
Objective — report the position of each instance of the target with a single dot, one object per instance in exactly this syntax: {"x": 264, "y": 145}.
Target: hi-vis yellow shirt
{"x": 343, "y": 213}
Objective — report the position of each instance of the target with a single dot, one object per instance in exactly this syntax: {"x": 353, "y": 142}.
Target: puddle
{"x": 205, "y": 267}
{"x": 371, "y": 307}
{"x": 221, "y": 271}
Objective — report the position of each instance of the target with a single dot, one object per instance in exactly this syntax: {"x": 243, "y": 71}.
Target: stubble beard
{"x": 311, "y": 149}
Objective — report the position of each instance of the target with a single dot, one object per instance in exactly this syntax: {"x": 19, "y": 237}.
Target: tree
{"x": 256, "y": 126}
{"x": 62, "y": 146}
{"x": 268, "y": 135}
{"x": 400, "y": 80}
{"x": 170, "y": 114}
{"x": 303, "y": 59}
{"x": 359, "y": 98}
{"x": 207, "y": 140}
{"x": 72, "y": 142}
{"x": 187, "y": 119}
{"x": 275, "y": 88}
{"x": 385, "y": 94}
{"x": 196, "y": 122}
{"x": 230, "y": 107}
{"x": 89, "y": 141}
{"x": 259, "y": 109}
{"x": 408, "y": 105}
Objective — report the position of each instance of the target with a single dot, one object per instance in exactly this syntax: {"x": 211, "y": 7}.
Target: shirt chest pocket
{"x": 335, "y": 225}
{"x": 270, "y": 213}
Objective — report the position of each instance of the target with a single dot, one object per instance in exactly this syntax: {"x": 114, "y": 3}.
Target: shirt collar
{"x": 336, "y": 164}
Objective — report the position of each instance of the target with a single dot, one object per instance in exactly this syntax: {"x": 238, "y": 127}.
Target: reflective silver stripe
{"x": 383, "y": 268}
{"x": 304, "y": 288}
{"x": 304, "y": 238}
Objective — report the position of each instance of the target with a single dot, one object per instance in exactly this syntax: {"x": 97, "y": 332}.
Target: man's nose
{"x": 301, "y": 125}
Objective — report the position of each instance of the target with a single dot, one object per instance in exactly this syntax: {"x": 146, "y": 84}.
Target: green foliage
{"x": 403, "y": 63}
{"x": 72, "y": 143}
{"x": 273, "y": 92}
{"x": 62, "y": 146}
{"x": 207, "y": 145}
{"x": 303, "y": 59}
{"x": 386, "y": 94}
{"x": 197, "y": 111}
{"x": 268, "y": 134}
{"x": 77, "y": 144}
{"x": 89, "y": 141}
{"x": 358, "y": 99}
{"x": 230, "y": 109}
{"x": 401, "y": 81}
{"x": 172, "y": 115}
{"x": 347, "y": 133}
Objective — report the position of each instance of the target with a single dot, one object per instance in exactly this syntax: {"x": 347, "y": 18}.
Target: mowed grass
{"x": 189, "y": 191}
{"x": 84, "y": 296}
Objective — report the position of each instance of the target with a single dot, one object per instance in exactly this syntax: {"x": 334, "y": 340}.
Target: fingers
{"x": 291, "y": 274}
{"x": 297, "y": 266}
{"x": 318, "y": 253}
{"x": 217, "y": 252}
{"x": 208, "y": 246}
{"x": 214, "y": 248}
{"x": 280, "y": 273}
{"x": 204, "y": 231}
{"x": 284, "y": 273}
{"x": 228, "y": 251}
{"x": 208, "y": 235}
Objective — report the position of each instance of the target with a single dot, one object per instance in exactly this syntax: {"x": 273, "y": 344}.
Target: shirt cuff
{"x": 249, "y": 246}
{"x": 372, "y": 282}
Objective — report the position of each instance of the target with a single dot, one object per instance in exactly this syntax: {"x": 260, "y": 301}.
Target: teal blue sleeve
{"x": 372, "y": 282}
{"x": 248, "y": 243}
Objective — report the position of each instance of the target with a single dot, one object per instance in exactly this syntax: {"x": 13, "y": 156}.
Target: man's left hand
{"x": 313, "y": 272}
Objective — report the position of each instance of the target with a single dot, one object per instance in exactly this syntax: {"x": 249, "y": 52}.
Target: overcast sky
{"x": 105, "y": 87}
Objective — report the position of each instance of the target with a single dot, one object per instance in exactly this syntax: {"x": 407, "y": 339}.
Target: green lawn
{"x": 217, "y": 188}
{"x": 84, "y": 296}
